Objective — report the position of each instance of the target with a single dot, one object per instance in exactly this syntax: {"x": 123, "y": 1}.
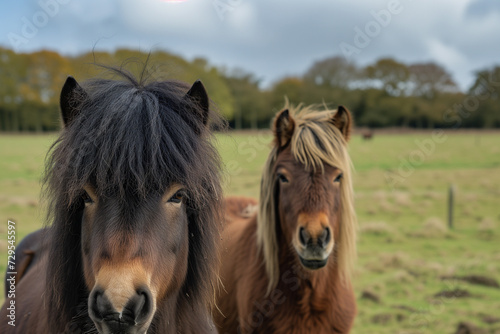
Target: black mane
{"x": 131, "y": 140}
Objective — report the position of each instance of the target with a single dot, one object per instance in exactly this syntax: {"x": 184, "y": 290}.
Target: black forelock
{"x": 132, "y": 138}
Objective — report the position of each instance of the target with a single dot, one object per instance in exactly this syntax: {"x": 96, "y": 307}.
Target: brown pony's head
{"x": 306, "y": 193}
{"x": 135, "y": 190}
{"x": 134, "y": 255}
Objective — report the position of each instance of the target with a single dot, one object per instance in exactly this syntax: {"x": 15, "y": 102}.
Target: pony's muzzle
{"x": 314, "y": 249}
{"x": 133, "y": 318}
{"x": 314, "y": 240}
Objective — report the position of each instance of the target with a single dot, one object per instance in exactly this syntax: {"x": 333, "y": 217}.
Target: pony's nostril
{"x": 324, "y": 237}
{"x": 304, "y": 237}
{"x": 141, "y": 306}
{"x": 99, "y": 305}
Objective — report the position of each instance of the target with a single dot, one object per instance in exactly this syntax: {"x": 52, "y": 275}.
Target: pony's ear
{"x": 72, "y": 94}
{"x": 283, "y": 128}
{"x": 343, "y": 121}
{"x": 199, "y": 96}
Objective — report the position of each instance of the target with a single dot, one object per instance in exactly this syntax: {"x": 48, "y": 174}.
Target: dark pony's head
{"x": 135, "y": 198}
{"x": 306, "y": 207}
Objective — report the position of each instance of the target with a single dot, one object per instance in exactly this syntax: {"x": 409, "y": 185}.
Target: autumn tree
{"x": 391, "y": 75}
{"x": 485, "y": 97}
{"x": 384, "y": 93}
{"x": 430, "y": 79}
{"x": 251, "y": 106}
{"x": 334, "y": 72}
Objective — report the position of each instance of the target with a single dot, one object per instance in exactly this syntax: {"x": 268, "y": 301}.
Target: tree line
{"x": 386, "y": 93}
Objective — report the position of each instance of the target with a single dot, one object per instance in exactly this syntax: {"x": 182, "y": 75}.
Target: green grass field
{"x": 404, "y": 246}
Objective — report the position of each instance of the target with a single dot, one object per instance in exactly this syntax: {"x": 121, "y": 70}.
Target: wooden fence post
{"x": 451, "y": 195}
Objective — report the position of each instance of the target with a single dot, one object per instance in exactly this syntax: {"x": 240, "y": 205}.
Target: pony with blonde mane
{"x": 287, "y": 260}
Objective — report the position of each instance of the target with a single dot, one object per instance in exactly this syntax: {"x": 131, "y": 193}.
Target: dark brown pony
{"x": 367, "y": 134}
{"x": 135, "y": 201}
{"x": 286, "y": 269}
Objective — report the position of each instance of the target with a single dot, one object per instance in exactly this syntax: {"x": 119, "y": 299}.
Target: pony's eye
{"x": 86, "y": 198}
{"x": 339, "y": 177}
{"x": 178, "y": 197}
{"x": 282, "y": 178}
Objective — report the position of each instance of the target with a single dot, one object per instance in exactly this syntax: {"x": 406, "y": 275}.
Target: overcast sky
{"x": 270, "y": 38}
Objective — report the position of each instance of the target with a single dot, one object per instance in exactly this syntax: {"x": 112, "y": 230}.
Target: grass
{"x": 404, "y": 246}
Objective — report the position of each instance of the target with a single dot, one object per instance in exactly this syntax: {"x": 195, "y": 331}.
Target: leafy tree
{"x": 385, "y": 93}
{"x": 333, "y": 72}
{"x": 391, "y": 75}
{"x": 486, "y": 91}
{"x": 430, "y": 79}
{"x": 250, "y": 104}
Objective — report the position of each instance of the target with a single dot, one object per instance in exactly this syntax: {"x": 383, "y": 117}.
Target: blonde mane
{"x": 315, "y": 141}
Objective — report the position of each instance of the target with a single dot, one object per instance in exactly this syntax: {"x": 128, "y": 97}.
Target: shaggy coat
{"x": 126, "y": 144}
{"x": 306, "y": 202}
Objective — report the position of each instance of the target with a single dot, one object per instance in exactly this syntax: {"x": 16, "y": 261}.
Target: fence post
{"x": 451, "y": 195}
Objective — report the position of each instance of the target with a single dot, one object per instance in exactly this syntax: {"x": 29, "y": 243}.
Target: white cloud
{"x": 156, "y": 16}
{"x": 274, "y": 38}
{"x": 445, "y": 54}
{"x": 242, "y": 17}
